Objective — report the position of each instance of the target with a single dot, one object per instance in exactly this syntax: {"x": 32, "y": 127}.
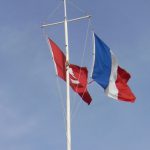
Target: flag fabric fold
{"x": 78, "y": 81}
{"x": 108, "y": 74}
{"x": 78, "y": 75}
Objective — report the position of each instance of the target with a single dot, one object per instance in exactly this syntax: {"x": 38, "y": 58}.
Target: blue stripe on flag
{"x": 102, "y": 65}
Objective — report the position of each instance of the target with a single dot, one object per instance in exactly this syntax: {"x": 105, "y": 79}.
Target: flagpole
{"x": 68, "y": 117}
{"x": 68, "y": 114}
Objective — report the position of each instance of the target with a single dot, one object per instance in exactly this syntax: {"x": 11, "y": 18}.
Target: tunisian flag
{"x": 78, "y": 75}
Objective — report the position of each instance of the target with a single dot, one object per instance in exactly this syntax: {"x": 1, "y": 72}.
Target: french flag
{"x": 108, "y": 74}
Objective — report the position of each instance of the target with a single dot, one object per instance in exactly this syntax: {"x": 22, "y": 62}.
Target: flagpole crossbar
{"x": 70, "y": 20}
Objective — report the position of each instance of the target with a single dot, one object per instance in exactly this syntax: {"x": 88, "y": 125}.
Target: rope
{"x": 78, "y": 105}
{"x": 77, "y": 7}
{"x": 82, "y": 59}
{"x": 92, "y": 65}
{"x": 90, "y": 82}
{"x": 59, "y": 89}
{"x": 54, "y": 11}
{"x": 61, "y": 101}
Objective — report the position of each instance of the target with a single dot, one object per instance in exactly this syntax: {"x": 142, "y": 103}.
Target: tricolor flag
{"x": 108, "y": 74}
{"x": 78, "y": 75}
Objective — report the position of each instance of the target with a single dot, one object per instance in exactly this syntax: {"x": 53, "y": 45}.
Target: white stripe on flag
{"x": 111, "y": 89}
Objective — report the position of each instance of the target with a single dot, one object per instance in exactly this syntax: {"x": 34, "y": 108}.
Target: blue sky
{"x": 31, "y": 114}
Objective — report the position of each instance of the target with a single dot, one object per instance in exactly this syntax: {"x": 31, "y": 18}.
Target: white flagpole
{"x": 68, "y": 117}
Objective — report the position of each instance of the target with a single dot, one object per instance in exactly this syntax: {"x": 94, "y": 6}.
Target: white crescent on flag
{"x": 74, "y": 80}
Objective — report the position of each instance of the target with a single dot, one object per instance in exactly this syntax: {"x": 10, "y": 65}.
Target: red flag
{"x": 78, "y": 75}
{"x": 59, "y": 59}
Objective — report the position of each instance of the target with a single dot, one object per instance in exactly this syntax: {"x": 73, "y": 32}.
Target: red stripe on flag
{"x": 124, "y": 91}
